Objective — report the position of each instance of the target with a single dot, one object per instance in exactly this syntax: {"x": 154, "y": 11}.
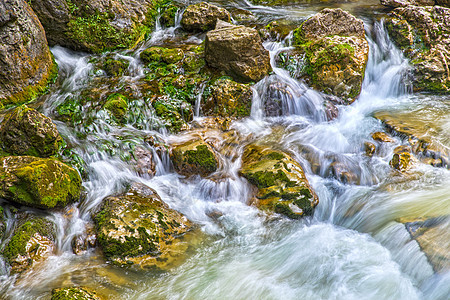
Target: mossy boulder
{"x": 32, "y": 240}
{"x": 423, "y": 34}
{"x": 138, "y": 228}
{"x": 194, "y": 157}
{"x": 97, "y": 26}
{"x": 116, "y": 105}
{"x": 26, "y": 64}
{"x": 238, "y": 51}
{"x": 114, "y": 66}
{"x": 280, "y": 180}
{"x": 25, "y": 131}
{"x": 334, "y": 50}
{"x": 161, "y": 54}
{"x": 38, "y": 182}
{"x": 227, "y": 98}
{"x": 203, "y": 17}
{"x": 74, "y": 293}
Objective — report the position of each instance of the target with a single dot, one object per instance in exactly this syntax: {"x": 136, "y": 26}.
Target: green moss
{"x": 117, "y": 105}
{"x": 17, "y": 245}
{"x": 73, "y": 293}
{"x": 161, "y": 54}
{"x": 264, "y": 179}
{"x": 202, "y": 157}
{"x": 115, "y": 67}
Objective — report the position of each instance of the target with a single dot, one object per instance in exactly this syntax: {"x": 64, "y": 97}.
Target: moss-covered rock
{"x": 423, "y": 34}
{"x": 195, "y": 157}
{"x": 203, "y": 17}
{"x": 26, "y": 64}
{"x": 117, "y": 105}
{"x": 33, "y": 239}
{"x": 174, "y": 113}
{"x": 25, "y": 131}
{"x": 226, "y": 98}
{"x": 161, "y": 54}
{"x": 115, "y": 67}
{"x": 334, "y": 50}
{"x": 281, "y": 182}
{"x": 138, "y": 228}
{"x": 74, "y": 293}
{"x": 38, "y": 182}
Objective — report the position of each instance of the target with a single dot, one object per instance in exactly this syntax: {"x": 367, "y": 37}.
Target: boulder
{"x": 335, "y": 52}
{"x": 423, "y": 34}
{"x": 25, "y": 131}
{"x": 138, "y": 228}
{"x": 33, "y": 239}
{"x": 403, "y": 3}
{"x": 203, "y": 17}
{"x": 382, "y": 137}
{"x": 402, "y": 159}
{"x": 97, "y": 25}
{"x": 238, "y": 51}
{"x": 281, "y": 183}
{"x": 74, "y": 293}
{"x": 194, "y": 157}
{"x": 161, "y": 54}
{"x": 26, "y": 64}
{"x": 38, "y": 182}
{"x": 226, "y": 98}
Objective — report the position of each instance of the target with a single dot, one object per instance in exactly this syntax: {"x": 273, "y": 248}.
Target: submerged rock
{"x": 226, "y": 98}
{"x": 38, "y": 182}
{"x": 281, "y": 182}
{"x": 335, "y": 52}
{"x": 138, "y": 228}
{"x": 26, "y": 64}
{"x": 238, "y": 51}
{"x": 32, "y": 240}
{"x": 74, "y": 293}
{"x": 203, "y": 17}
{"x": 194, "y": 157}
{"x": 423, "y": 33}
{"x": 25, "y": 131}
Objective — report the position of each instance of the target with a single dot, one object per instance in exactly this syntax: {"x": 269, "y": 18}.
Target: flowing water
{"x": 353, "y": 248}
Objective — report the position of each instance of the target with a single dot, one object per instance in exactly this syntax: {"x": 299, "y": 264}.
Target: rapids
{"x": 353, "y": 248}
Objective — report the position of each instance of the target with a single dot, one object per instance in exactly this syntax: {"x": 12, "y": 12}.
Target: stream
{"x": 354, "y": 247}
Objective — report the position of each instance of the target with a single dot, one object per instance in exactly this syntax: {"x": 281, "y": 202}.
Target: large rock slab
{"x": 203, "y": 17}
{"x": 26, "y": 64}
{"x": 423, "y": 34}
{"x": 280, "y": 180}
{"x": 97, "y": 25}
{"x": 25, "y": 131}
{"x": 38, "y": 182}
{"x": 238, "y": 51}
{"x": 138, "y": 228}
{"x": 335, "y": 52}
{"x": 33, "y": 239}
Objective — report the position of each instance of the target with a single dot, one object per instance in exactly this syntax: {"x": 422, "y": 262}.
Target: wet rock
{"x": 203, "y": 17}
{"x": 32, "y": 240}
{"x": 278, "y": 29}
{"x": 382, "y": 137}
{"x": 143, "y": 161}
{"x": 423, "y": 34}
{"x": 195, "y": 157}
{"x": 238, "y": 51}
{"x": 26, "y": 64}
{"x": 38, "y": 182}
{"x": 280, "y": 180}
{"x": 175, "y": 113}
{"x": 83, "y": 242}
{"x": 71, "y": 293}
{"x": 114, "y": 66}
{"x": 402, "y": 159}
{"x": 161, "y": 54}
{"x": 342, "y": 172}
{"x": 2, "y": 222}
{"x": 138, "y": 228}
{"x": 433, "y": 237}
{"x": 25, "y": 131}
{"x": 226, "y": 98}
{"x": 403, "y": 3}
{"x": 97, "y": 25}
{"x": 116, "y": 105}
{"x": 369, "y": 149}
{"x": 335, "y": 52}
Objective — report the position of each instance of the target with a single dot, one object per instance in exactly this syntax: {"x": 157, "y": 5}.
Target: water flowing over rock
{"x": 203, "y": 17}
{"x": 335, "y": 52}
{"x": 238, "y": 51}
{"x": 97, "y": 26}
{"x": 74, "y": 293}
{"x": 32, "y": 240}
{"x": 194, "y": 157}
{"x": 281, "y": 182}
{"x": 25, "y": 131}
{"x": 423, "y": 33}
{"x": 226, "y": 98}
{"x": 38, "y": 182}
{"x": 26, "y": 64}
{"x": 138, "y": 228}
